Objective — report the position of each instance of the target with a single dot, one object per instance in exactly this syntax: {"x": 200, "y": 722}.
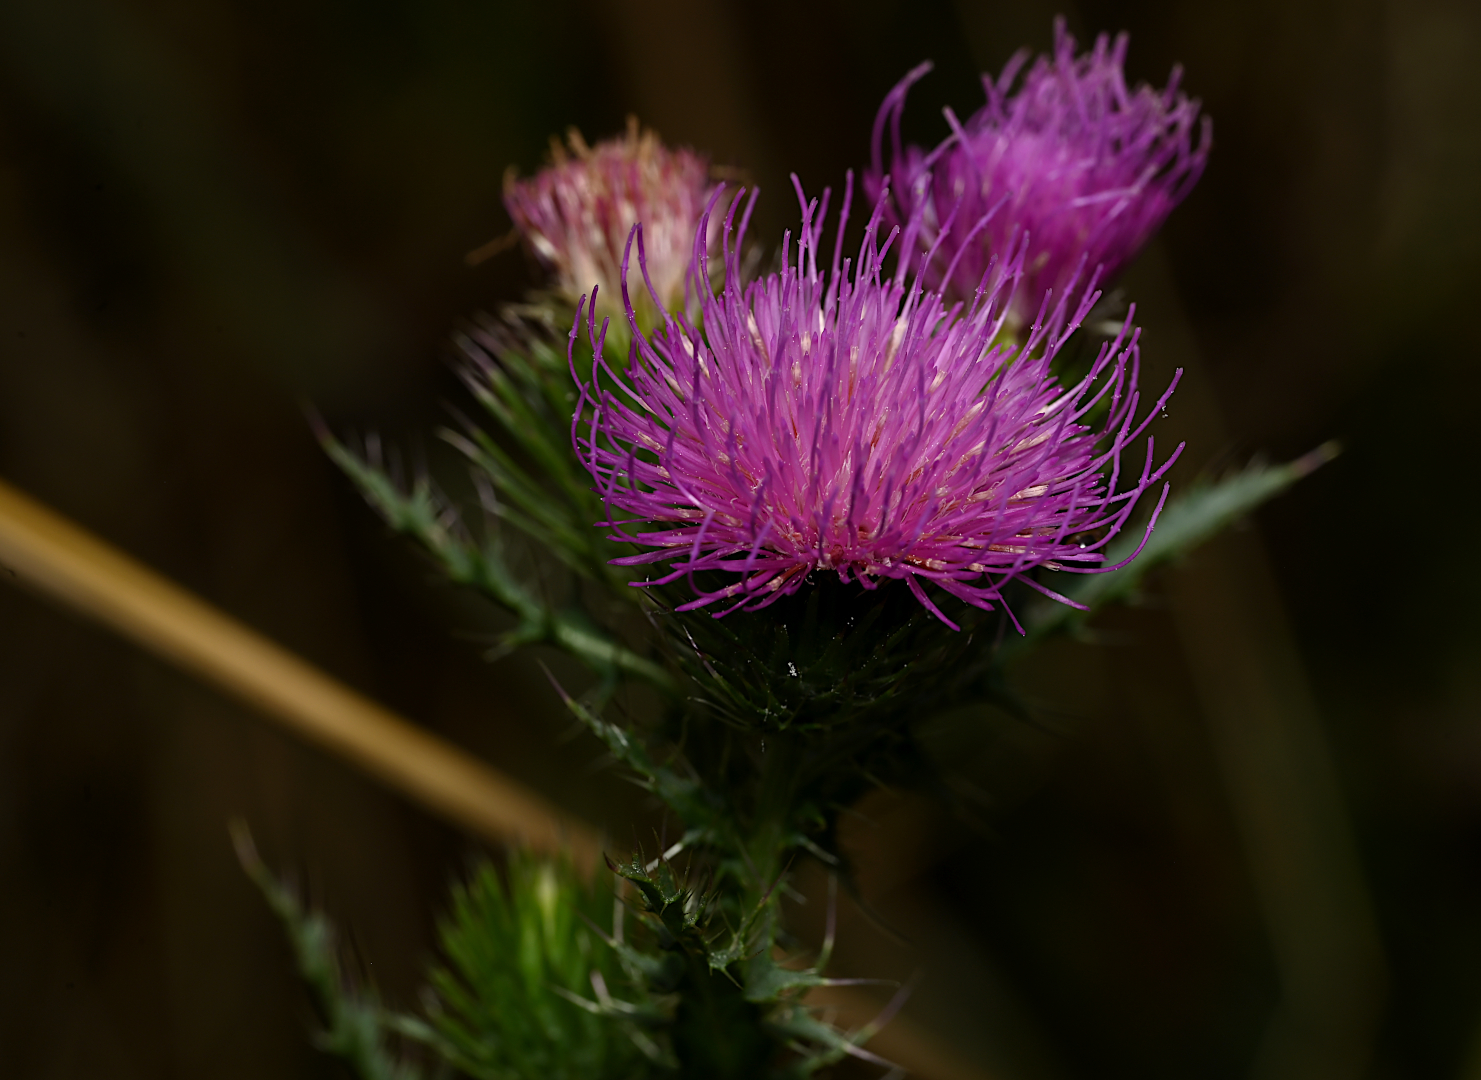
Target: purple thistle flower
{"x": 576, "y": 214}
{"x": 1087, "y": 168}
{"x": 855, "y": 423}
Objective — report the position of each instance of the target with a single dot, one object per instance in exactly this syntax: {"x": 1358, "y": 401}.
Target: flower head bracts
{"x": 576, "y": 215}
{"x": 855, "y": 423}
{"x": 1088, "y": 168}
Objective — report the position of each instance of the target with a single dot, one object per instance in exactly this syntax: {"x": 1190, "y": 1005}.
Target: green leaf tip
{"x": 355, "y": 1026}
{"x": 1189, "y": 520}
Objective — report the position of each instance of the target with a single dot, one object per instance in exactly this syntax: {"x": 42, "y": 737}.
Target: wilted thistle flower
{"x": 855, "y": 423}
{"x": 576, "y": 214}
{"x": 1087, "y": 168}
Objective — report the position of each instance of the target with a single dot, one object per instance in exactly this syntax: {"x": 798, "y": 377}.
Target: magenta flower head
{"x": 850, "y": 422}
{"x": 576, "y": 214}
{"x": 1084, "y": 166}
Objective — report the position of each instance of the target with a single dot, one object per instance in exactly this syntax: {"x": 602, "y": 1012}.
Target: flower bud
{"x": 576, "y": 215}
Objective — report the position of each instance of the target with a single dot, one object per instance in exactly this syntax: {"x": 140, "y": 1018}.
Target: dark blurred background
{"x": 1244, "y": 838}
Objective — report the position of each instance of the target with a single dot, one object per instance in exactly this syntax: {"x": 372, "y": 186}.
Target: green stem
{"x": 717, "y": 1032}
{"x": 769, "y": 834}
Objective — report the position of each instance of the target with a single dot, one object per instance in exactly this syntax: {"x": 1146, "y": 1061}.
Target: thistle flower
{"x": 1087, "y": 168}
{"x": 852, "y": 422}
{"x": 576, "y": 214}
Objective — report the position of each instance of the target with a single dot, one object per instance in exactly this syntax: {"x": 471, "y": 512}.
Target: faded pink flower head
{"x": 576, "y": 215}
{"x": 1084, "y": 166}
{"x": 847, "y": 421}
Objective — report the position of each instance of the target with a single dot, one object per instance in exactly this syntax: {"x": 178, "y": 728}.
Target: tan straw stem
{"x": 63, "y": 561}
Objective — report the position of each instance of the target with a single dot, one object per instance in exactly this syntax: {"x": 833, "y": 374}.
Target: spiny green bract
{"x": 517, "y": 958}
{"x": 834, "y": 654}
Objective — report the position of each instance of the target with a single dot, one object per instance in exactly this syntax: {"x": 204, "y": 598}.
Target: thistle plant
{"x": 809, "y": 509}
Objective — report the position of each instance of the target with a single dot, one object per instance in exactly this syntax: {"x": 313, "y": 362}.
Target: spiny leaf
{"x": 685, "y": 795}
{"x": 354, "y": 1024}
{"x": 1188, "y": 521}
{"x": 766, "y": 980}
{"x": 424, "y": 516}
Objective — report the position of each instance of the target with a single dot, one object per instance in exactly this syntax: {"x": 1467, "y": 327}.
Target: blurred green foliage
{"x": 528, "y": 985}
